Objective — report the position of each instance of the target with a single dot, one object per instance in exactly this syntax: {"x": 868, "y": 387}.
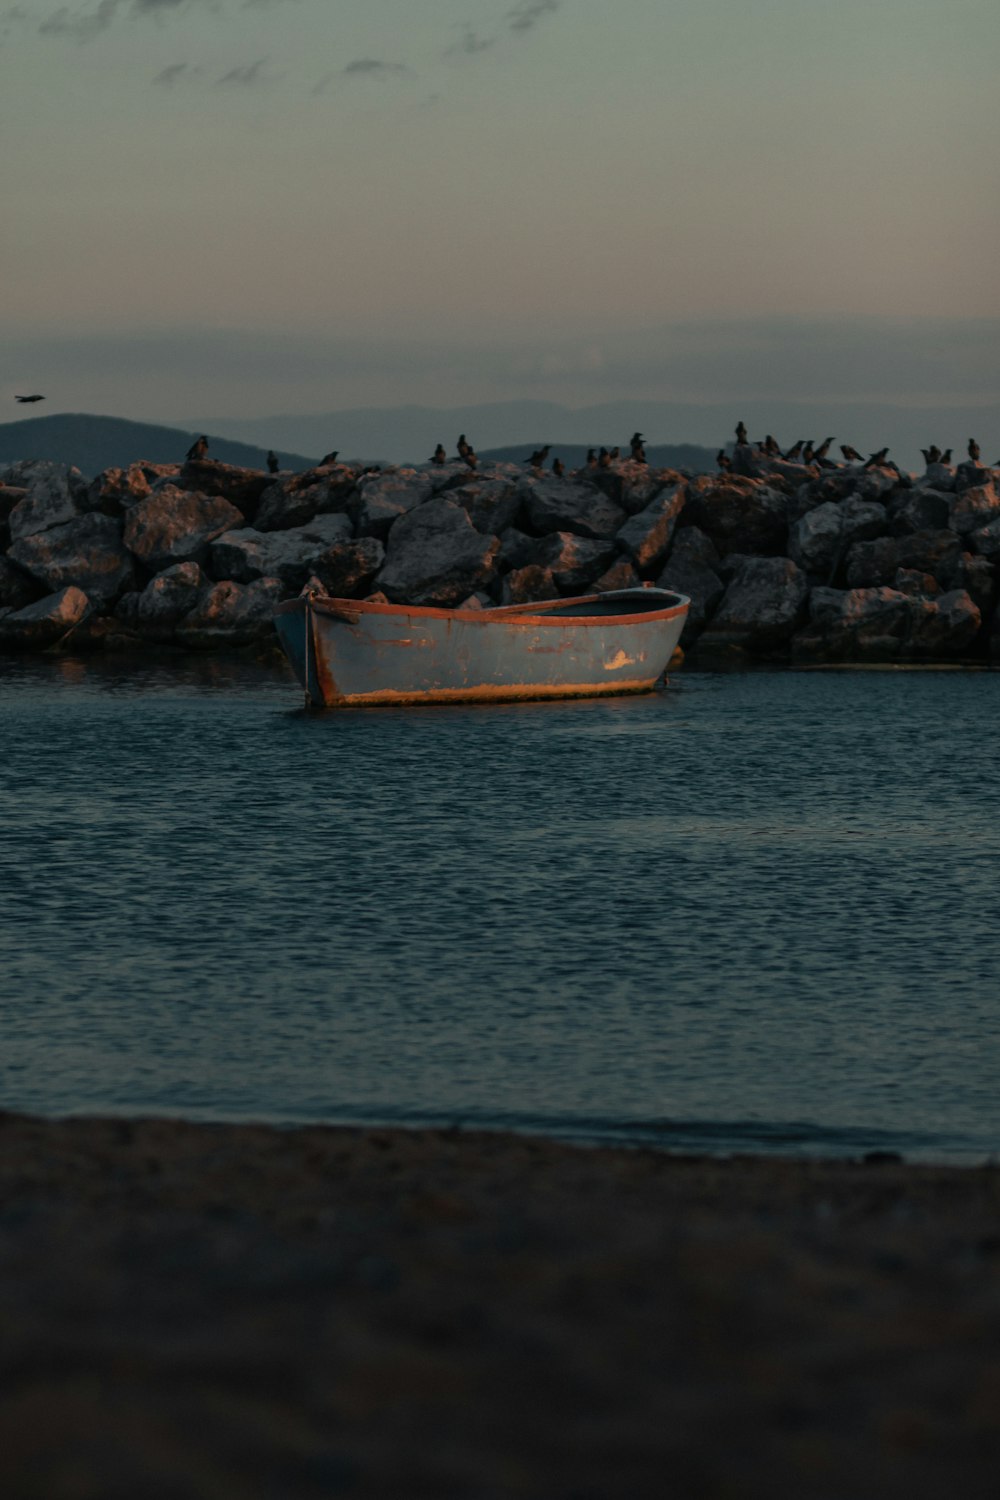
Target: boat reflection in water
{"x": 348, "y": 651}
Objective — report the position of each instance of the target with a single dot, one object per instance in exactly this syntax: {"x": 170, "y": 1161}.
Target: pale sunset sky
{"x": 242, "y": 207}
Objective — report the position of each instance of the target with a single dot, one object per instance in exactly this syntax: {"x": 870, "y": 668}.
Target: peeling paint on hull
{"x": 347, "y": 652}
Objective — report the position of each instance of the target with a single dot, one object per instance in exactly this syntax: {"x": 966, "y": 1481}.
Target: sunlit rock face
{"x": 436, "y": 556}
{"x": 173, "y": 526}
{"x": 46, "y": 621}
{"x": 86, "y": 552}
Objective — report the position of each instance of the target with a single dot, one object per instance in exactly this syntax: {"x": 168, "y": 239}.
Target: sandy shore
{"x": 201, "y": 1311}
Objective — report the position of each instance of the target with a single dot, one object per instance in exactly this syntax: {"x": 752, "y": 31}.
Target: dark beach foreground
{"x": 241, "y": 1311}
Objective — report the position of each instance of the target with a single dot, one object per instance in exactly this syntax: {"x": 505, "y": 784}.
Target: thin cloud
{"x": 248, "y": 76}
{"x": 80, "y": 28}
{"x": 528, "y": 14}
{"x": 167, "y": 77}
{"x": 374, "y": 67}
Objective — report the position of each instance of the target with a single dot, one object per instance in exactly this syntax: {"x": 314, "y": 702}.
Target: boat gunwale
{"x": 517, "y": 614}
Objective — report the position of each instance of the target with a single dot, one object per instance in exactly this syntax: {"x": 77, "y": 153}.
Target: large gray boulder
{"x": 233, "y": 614}
{"x": 289, "y": 555}
{"x": 939, "y": 477}
{"x": 17, "y": 588}
{"x": 86, "y": 551}
{"x": 641, "y": 485}
{"x": 818, "y": 541}
{"x": 114, "y": 491}
{"x": 986, "y": 540}
{"x": 692, "y": 570}
{"x": 53, "y": 491}
{"x": 884, "y": 624}
{"x": 971, "y": 475}
{"x": 621, "y": 575}
{"x": 436, "y": 556}
{"x": 295, "y": 500}
{"x": 381, "y": 499}
{"x": 163, "y": 603}
{"x": 646, "y": 536}
{"x": 971, "y": 508}
{"x": 944, "y": 626}
{"x": 873, "y": 564}
{"x": 740, "y": 515}
{"x": 919, "y": 509}
{"x": 492, "y": 504}
{"x": 574, "y": 561}
{"x": 348, "y": 569}
{"x": 763, "y": 605}
{"x": 46, "y": 621}
{"x": 554, "y": 504}
{"x": 241, "y": 487}
{"x": 174, "y": 526}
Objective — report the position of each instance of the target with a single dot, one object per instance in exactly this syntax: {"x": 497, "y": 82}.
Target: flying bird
{"x": 198, "y": 449}
{"x": 27, "y": 399}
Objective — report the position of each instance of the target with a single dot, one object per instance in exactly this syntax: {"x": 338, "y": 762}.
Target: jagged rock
{"x": 986, "y": 540}
{"x": 883, "y": 624}
{"x": 918, "y": 585}
{"x": 526, "y": 585}
{"x": 443, "y": 478}
{"x": 691, "y": 570}
{"x": 295, "y": 501}
{"x": 436, "y": 556}
{"x": 574, "y": 561}
{"x": 87, "y": 551}
{"x": 381, "y": 499}
{"x": 289, "y": 555}
{"x": 971, "y": 509}
{"x": 516, "y": 549}
{"x": 234, "y": 614}
{"x": 640, "y": 484}
{"x": 46, "y": 621}
{"x": 348, "y": 569}
{"x": 977, "y": 577}
{"x": 174, "y": 526}
{"x": 17, "y": 588}
{"x": 764, "y": 604}
{"x": 29, "y": 472}
{"x": 872, "y": 564}
{"x": 945, "y": 626}
{"x": 822, "y": 537}
{"x": 159, "y": 475}
{"x": 620, "y": 575}
{"x": 91, "y": 634}
{"x": 552, "y": 504}
{"x": 937, "y": 477}
{"x": 970, "y": 475}
{"x": 646, "y": 536}
{"x": 377, "y": 598}
{"x": 740, "y": 515}
{"x": 492, "y": 505}
{"x": 9, "y": 497}
{"x": 241, "y": 487}
{"x": 115, "y": 490}
{"x": 52, "y": 494}
{"x": 163, "y": 603}
{"x": 919, "y": 509}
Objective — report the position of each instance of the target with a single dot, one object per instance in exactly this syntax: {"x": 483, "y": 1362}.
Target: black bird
{"x": 807, "y": 452}
{"x": 638, "y": 446}
{"x": 272, "y": 461}
{"x": 615, "y": 454}
{"x": 558, "y": 467}
{"x": 793, "y": 453}
{"x": 877, "y": 458}
{"x": 741, "y": 434}
{"x": 464, "y": 448}
{"x": 591, "y": 458}
{"x": 198, "y": 449}
{"x": 330, "y": 458}
{"x": 539, "y": 456}
{"x": 470, "y": 456}
{"x": 945, "y": 457}
{"x": 28, "y": 399}
{"x": 974, "y": 450}
{"x": 851, "y": 454}
{"x": 723, "y": 460}
{"x": 604, "y": 459}
{"x": 822, "y": 450}
{"x": 440, "y": 455}
{"x": 771, "y": 446}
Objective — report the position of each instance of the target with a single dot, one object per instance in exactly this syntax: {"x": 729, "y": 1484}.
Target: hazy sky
{"x": 239, "y": 207}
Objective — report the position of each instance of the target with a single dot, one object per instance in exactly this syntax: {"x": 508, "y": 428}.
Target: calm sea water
{"x": 756, "y": 912}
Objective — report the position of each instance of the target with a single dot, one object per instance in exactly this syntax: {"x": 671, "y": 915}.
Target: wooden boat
{"x": 348, "y": 651}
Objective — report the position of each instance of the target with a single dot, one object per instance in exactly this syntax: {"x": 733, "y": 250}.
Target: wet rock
{"x": 17, "y": 588}
{"x": 289, "y": 555}
{"x": 646, "y": 536}
{"x": 552, "y": 504}
{"x": 233, "y": 614}
{"x": 620, "y": 575}
{"x": 971, "y": 508}
{"x": 764, "y": 604}
{"x": 492, "y": 505}
{"x": 348, "y": 569}
{"x": 380, "y": 500}
{"x": 740, "y": 515}
{"x": 173, "y": 526}
{"x": 241, "y": 487}
{"x": 163, "y": 603}
{"x": 823, "y": 536}
{"x": 46, "y": 621}
{"x": 115, "y": 490}
{"x": 51, "y": 498}
{"x": 574, "y": 561}
{"x": 436, "y": 556}
{"x": 86, "y": 551}
{"x": 526, "y": 585}
{"x": 296, "y": 500}
{"x": 692, "y": 570}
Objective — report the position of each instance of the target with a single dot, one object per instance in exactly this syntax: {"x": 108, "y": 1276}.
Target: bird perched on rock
{"x": 771, "y": 447}
{"x": 470, "y": 457}
{"x": 723, "y": 460}
{"x": 793, "y": 453}
{"x": 464, "y": 448}
{"x": 945, "y": 457}
{"x": 604, "y": 459}
{"x": 637, "y": 444}
{"x": 198, "y": 449}
{"x": 741, "y": 434}
{"x": 851, "y": 454}
{"x": 822, "y": 450}
{"x": 558, "y": 467}
{"x": 439, "y": 456}
{"x": 974, "y": 450}
{"x": 330, "y": 458}
{"x": 26, "y": 400}
{"x": 615, "y": 454}
{"x": 807, "y": 452}
{"x": 877, "y": 458}
{"x": 539, "y": 456}
{"x": 272, "y": 461}
{"x": 591, "y": 458}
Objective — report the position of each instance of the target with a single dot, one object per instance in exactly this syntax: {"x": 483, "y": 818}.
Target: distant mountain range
{"x": 96, "y": 443}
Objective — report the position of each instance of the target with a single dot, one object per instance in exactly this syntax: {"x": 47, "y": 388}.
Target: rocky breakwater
{"x": 782, "y": 561}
